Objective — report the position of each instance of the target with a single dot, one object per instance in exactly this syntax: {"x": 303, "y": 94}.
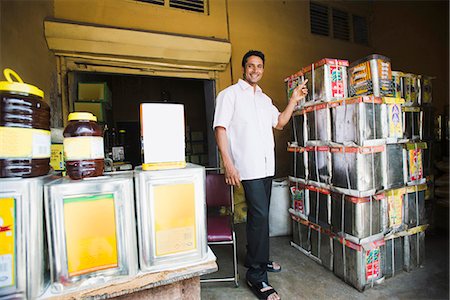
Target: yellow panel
{"x": 90, "y": 227}
{"x": 395, "y": 206}
{"x": 174, "y": 224}
{"x": 7, "y": 242}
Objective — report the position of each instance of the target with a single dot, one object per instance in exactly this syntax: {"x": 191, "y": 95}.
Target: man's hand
{"x": 232, "y": 176}
{"x": 299, "y": 92}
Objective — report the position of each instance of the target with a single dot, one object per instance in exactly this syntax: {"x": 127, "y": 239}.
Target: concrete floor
{"x": 302, "y": 278}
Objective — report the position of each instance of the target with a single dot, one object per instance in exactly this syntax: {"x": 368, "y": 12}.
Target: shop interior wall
{"x": 279, "y": 28}
{"x": 23, "y": 47}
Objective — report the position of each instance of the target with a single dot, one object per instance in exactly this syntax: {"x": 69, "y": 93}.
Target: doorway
{"x": 119, "y": 114}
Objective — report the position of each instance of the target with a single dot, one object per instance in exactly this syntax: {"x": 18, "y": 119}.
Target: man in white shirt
{"x": 243, "y": 122}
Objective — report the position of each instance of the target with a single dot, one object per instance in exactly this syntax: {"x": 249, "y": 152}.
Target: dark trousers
{"x": 257, "y": 195}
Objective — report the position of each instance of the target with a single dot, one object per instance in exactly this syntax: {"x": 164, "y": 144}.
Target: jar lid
{"x": 18, "y": 85}
{"x": 82, "y": 116}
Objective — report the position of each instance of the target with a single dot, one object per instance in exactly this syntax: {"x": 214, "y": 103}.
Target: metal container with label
{"x": 91, "y": 230}
{"x": 358, "y": 265}
{"x": 327, "y": 80}
{"x": 412, "y": 157}
{"x": 397, "y": 84}
{"x": 319, "y": 163}
{"x": 414, "y": 247}
{"x": 393, "y": 167}
{"x": 412, "y": 122}
{"x": 300, "y": 161}
{"x": 23, "y": 251}
{"x": 357, "y": 168}
{"x": 357, "y": 120}
{"x": 322, "y": 246}
{"x": 411, "y": 89}
{"x": 414, "y": 203}
{"x": 301, "y": 233}
{"x": 428, "y": 130}
{"x": 395, "y": 213}
{"x": 371, "y": 75}
{"x": 299, "y": 200}
{"x": 291, "y": 83}
{"x": 392, "y": 116}
{"x": 360, "y": 217}
{"x": 393, "y": 256}
{"x": 426, "y": 89}
{"x": 299, "y": 128}
{"x": 319, "y": 200}
{"x": 171, "y": 210}
{"x": 318, "y": 122}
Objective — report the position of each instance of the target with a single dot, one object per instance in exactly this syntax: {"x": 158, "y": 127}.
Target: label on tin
{"x": 415, "y": 164}
{"x": 83, "y": 147}
{"x": 395, "y": 207}
{"x": 7, "y": 242}
{"x": 373, "y": 264}
{"x": 24, "y": 143}
{"x": 90, "y": 234}
{"x": 174, "y": 211}
{"x": 395, "y": 121}
{"x": 337, "y": 83}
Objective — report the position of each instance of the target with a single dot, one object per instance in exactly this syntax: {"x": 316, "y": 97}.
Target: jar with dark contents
{"x": 24, "y": 129}
{"x": 83, "y": 146}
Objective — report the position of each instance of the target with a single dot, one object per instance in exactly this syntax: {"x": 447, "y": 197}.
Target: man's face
{"x": 253, "y": 70}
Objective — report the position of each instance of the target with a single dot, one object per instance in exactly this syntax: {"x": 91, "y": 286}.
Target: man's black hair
{"x": 252, "y": 53}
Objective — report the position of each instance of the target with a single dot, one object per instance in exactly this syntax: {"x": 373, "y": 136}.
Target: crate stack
{"x": 357, "y": 177}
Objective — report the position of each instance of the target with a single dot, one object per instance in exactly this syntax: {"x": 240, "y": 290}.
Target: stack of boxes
{"x": 357, "y": 179}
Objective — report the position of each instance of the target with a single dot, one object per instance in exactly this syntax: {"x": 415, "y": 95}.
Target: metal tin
{"x": 360, "y": 217}
{"x": 393, "y": 256}
{"x": 415, "y": 213}
{"x": 298, "y": 128}
{"x": 412, "y": 157}
{"x": 393, "y": 167}
{"x": 392, "y": 118}
{"x": 322, "y": 246}
{"x": 412, "y": 122}
{"x": 319, "y": 163}
{"x": 23, "y": 255}
{"x": 171, "y": 213}
{"x": 358, "y": 265}
{"x": 300, "y": 161}
{"x": 397, "y": 84}
{"x": 395, "y": 212}
{"x": 357, "y": 168}
{"x": 91, "y": 231}
{"x": 357, "y": 120}
{"x": 426, "y": 89}
{"x": 318, "y": 123}
{"x": 299, "y": 200}
{"x": 428, "y": 123}
{"x": 319, "y": 205}
{"x": 414, "y": 250}
{"x": 301, "y": 234}
{"x": 371, "y": 75}
{"x": 411, "y": 89}
{"x": 327, "y": 80}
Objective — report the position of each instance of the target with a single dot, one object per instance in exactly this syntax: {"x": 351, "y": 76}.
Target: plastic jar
{"x": 83, "y": 146}
{"x": 24, "y": 129}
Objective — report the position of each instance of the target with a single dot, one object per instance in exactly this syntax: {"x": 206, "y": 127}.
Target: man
{"x": 243, "y": 123}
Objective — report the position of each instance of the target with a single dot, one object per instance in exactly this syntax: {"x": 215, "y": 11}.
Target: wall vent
{"x": 360, "y": 30}
{"x": 341, "y": 29}
{"x": 319, "y": 19}
{"x": 192, "y": 5}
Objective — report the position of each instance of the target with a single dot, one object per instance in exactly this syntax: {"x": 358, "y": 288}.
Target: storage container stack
{"x": 357, "y": 179}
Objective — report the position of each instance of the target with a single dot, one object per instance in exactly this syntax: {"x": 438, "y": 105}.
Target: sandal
{"x": 257, "y": 287}
{"x": 270, "y": 267}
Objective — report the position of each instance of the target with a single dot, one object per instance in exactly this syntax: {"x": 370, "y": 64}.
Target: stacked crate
{"x": 355, "y": 172}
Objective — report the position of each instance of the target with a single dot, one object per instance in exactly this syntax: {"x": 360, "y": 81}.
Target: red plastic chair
{"x": 220, "y": 228}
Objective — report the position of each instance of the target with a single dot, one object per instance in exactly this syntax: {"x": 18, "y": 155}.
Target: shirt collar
{"x": 245, "y": 85}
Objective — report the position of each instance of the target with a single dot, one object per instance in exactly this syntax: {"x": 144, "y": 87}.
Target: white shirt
{"x": 248, "y": 118}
